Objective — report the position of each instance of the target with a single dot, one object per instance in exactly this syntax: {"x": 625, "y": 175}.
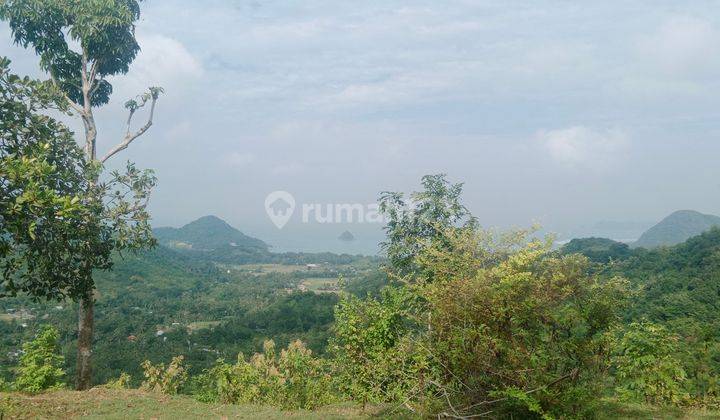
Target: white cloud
{"x": 162, "y": 61}
{"x": 683, "y": 46}
{"x": 580, "y": 145}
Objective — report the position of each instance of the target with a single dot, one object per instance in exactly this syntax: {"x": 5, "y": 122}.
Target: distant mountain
{"x": 207, "y": 234}
{"x": 623, "y": 231}
{"x": 677, "y": 228}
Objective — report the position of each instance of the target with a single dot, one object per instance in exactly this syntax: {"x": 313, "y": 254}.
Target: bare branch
{"x": 129, "y": 120}
{"x": 130, "y": 137}
{"x": 94, "y": 84}
{"x": 93, "y": 71}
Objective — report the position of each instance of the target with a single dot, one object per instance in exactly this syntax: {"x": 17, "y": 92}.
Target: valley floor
{"x": 135, "y": 404}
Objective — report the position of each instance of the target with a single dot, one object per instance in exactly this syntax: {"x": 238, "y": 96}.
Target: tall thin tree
{"x": 80, "y": 44}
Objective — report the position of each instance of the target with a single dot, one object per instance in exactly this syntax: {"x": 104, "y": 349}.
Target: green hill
{"x": 600, "y": 250}
{"x": 677, "y": 228}
{"x": 680, "y": 284}
{"x": 206, "y": 234}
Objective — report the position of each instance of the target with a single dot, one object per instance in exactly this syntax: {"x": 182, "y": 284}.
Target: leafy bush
{"x": 506, "y": 317}
{"x": 294, "y": 379}
{"x": 483, "y": 324}
{"x": 168, "y": 380}
{"x": 40, "y": 365}
{"x": 122, "y": 382}
{"x": 647, "y": 371}
{"x": 5, "y": 386}
{"x": 374, "y": 357}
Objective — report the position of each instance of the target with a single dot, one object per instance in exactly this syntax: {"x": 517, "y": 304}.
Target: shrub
{"x": 517, "y": 330}
{"x": 294, "y": 379}
{"x": 168, "y": 380}
{"x": 40, "y": 365}
{"x": 646, "y": 370}
{"x": 483, "y": 325}
{"x": 5, "y": 386}
{"x": 122, "y": 382}
{"x": 375, "y": 358}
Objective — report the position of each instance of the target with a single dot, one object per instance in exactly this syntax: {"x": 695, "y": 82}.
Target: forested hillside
{"x": 206, "y": 234}
{"x": 676, "y": 291}
{"x": 677, "y": 285}
{"x": 161, "y": 303}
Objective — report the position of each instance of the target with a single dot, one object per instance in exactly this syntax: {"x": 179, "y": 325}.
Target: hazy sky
{"x": 559, "y": 112}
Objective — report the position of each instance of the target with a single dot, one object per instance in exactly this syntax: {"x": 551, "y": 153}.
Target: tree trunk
{"x": 85, "y": 336}
{"x": 86, "y": 315}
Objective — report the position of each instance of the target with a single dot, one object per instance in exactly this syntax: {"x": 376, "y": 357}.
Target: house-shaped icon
{"x": 280, "y": 207}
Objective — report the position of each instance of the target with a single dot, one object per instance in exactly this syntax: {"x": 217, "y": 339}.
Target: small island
{"x": 346, "y": 236}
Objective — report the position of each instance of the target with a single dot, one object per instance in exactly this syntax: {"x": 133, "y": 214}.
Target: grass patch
{"x": 612, "y": 409}
{"x": 134, "y": 404}
{"x": 269, "y": 268}
{"x": 202, "y": 325}
{"x": 320, "y": 284}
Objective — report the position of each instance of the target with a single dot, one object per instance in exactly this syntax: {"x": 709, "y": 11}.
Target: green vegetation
{"x": 465, "y": 322}
{"x": 456, "y": 321}
{"x": 599, "y": 250}
{"x": 677, "y": 342}
{"x": 40, "y": 365}
{"x": 646, "y": 368}
{"x": 206, "y": 234}
{"x": 203, "y": 312}
{"x": 80, "y": 45}
{"x": 478, "y": 324}
{"x": 45, "y": 213}
{"x": 292, "y": 379}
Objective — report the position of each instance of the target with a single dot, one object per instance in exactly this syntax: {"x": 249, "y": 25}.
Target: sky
{"x": 560, "y": 113}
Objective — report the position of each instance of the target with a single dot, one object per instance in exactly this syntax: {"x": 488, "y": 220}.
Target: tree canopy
{"x": 105, "y": 30}
{"x": 51, "y": 235}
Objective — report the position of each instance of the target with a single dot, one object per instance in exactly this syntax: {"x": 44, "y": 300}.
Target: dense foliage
{"x": 599, "y": 250}
{"x": 203, "y": 312}
{"x": 646, "y": 368}
{"x": 292, "y": 379}
{"x": 105, "y": 30}
{"x": 47, "y": 213}
{"x": 677, "y": 291}
{"x": 40, "y": 366}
